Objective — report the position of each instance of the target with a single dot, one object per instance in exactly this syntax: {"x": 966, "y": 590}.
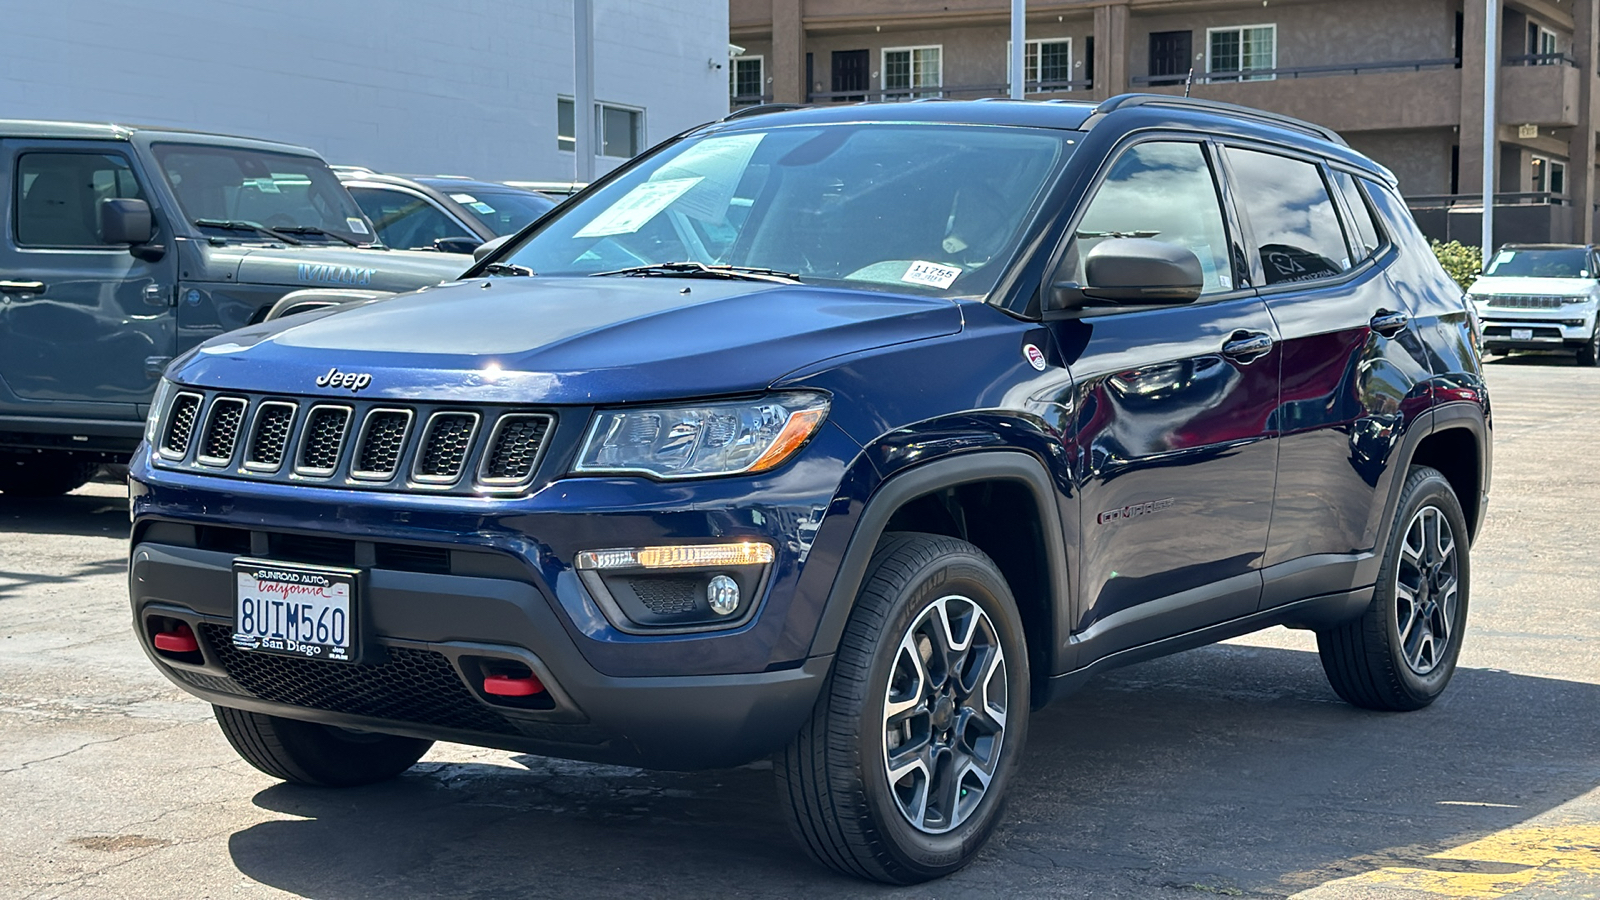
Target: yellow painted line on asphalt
{"x": 1516, "y": 859}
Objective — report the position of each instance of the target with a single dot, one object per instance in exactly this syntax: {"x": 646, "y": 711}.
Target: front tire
{"x": 900, "y": 774}
{"x": 1589, "y": 354}
{"x": 43, "y": 474}
{"x": 1401, "y": 653}
{"x": 314, "y": 754}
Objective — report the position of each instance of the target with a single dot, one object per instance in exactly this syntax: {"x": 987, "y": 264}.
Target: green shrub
{"x": 1461, "y": 262}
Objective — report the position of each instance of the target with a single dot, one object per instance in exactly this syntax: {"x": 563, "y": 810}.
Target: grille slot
{"x": 270, "y": 439}
{"x": 1525, "y": 302}
{"x": 323, "y": 440}
{"x": 445, "y": 444}
{"x": 382, "y": 443}
{"x": 411, "y": 686}
{"x": 409, "y": 558}
{"x": 222, "y": 431}
{"x": 514, "y": 449}
{"x": 184, "y": 411}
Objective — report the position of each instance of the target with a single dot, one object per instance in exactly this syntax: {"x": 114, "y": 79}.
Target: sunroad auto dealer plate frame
{"x": 289, "y": 609}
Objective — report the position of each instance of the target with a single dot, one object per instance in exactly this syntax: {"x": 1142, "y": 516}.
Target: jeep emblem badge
{"x": 355, "y": 381}
{"x": 1035, "y": 356}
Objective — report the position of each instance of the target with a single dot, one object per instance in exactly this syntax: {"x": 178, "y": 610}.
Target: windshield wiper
{"x": 507, "y": 269}
{"x": 240, "y": 225}
{"x": 690, "y": 269}
{"x": 312, "y": 229}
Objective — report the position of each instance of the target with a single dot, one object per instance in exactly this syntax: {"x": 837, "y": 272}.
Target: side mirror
{"x": 125, "y": 221}
{"x": 1134, "y": 272}
{"x": 489, "y": 246}
{"x": 457, "y": 244}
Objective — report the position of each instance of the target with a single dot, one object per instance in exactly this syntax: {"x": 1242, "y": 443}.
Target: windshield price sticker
{"x": 356, "y": 225}
{"x": 930, "y": 274}
{"x": 637, "y": 207}
{"x": 294, "y": 610}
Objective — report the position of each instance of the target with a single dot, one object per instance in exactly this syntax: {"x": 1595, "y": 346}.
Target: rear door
{"x": 85, "y": 326}
{"x": 1353, "y": 369}
{"x": 1174, "y": 444}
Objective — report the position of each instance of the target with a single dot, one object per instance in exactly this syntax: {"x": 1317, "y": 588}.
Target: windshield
{"x": 278, "y": 190}
{"x": 504, "y": 212}
{"x": 921, "y": 208}
{"x": 1564, "y": 263}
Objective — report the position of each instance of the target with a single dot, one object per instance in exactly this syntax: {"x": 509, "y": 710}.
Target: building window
{"x": 910, "y": 72}
{"x": 1542, "y": 45}
{"x": 745, "y": 79}
{"x": 618, "y": 130}
{"x": 1247, "y": 48}
{"x": 1549, "y": 175}
{"x": 1048, "y": 64}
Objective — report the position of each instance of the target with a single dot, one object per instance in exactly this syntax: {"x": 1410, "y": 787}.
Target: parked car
{"x": 441, "y": 212}
{"x": 126, "y": 247}
{"x": 1541, "y": 297}
{"x": 845, "y": 434}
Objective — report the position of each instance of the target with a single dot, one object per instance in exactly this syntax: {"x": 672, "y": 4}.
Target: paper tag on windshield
{"x": 463, "y": 198}
{"x": 356, "y": 225}
{"x": 930, "y": 274}
{"x": 637, "y": 207}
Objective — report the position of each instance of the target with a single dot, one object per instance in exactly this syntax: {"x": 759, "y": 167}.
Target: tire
{"x": 1391, "y": 658}
{"x": 314, "y": 754}
{"x": 1589, "y": 354}
{"x": 43, "y": 474}
{"x": 834, "y": 775}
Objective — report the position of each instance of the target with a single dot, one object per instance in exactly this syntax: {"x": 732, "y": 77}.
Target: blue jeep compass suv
{"x": 846, "y": 434}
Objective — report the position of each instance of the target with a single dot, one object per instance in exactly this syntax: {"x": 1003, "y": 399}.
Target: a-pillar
{"x": 1110, "y": 49}
{"x": 788, "y": 52}
{"x": 1581, "y": 146}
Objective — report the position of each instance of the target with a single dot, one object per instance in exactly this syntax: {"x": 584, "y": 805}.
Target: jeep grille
{"x": 222, "y": 431}
{"x": 180, "y": 425}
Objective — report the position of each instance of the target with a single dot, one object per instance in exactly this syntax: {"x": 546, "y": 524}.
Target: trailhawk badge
{"x": 1035, "y": 356}
{"x": 355, "y": 381}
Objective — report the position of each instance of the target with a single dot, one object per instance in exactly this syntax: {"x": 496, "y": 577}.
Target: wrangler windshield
{"x": 1562, "y": 263}
{"x": 239, "y": 186}
{"x": 922, "y": 208}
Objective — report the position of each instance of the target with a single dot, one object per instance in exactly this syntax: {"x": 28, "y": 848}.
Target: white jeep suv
{"x": 1540, "y": 297}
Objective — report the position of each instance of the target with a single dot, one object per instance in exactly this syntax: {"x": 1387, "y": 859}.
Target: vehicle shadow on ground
{"x": 1567, "y": 360}
{"x": 1225, "y": 769}
{"x": 98, "y": 510}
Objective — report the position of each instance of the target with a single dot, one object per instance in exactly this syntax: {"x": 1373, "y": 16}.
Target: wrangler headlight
{"x": 722, "y": 438}
{"x": 158, "y": 403}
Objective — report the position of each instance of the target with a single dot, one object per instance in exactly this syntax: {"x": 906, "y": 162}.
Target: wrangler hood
{"x": 565, "y": 340}
{"x": 341, "y": 267}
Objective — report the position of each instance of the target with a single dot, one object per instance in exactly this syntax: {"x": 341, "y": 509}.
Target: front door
{"x": 850, "y": 74}
{"x": 1171, "y": 56}
{"x": 1174, "y": 443}
{"x": 84, "y": 325}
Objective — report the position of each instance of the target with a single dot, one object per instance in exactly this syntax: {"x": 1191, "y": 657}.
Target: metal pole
{"x": 1019, "y": 46}
{"x": 583, "y": 121}
{"x": 1491, "y": 67}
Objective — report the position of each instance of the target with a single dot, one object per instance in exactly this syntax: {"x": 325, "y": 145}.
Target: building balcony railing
{"x": 739, "y": 101}
{"x": 1540, "y": 59}
{"x": 1511, "y": 198}
{"x": 1365, "y": 68}
{"x": 959, "y": 91}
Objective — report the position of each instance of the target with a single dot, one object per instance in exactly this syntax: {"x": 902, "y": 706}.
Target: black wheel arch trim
{"x": 990, "y": 465}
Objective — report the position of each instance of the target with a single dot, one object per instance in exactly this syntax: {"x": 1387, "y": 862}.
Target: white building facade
{"x": 468, "y": 87}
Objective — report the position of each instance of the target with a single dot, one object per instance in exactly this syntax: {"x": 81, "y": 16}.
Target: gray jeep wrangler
{"x": 126, "y": 246}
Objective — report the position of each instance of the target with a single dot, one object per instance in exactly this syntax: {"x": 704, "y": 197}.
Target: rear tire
{"x": 900, "y": 774}
{"x": 1589, "y": 354}
{"x": 1401, "y": 653}
{"x": 43, "y": 474}
{"x": 314, "y": 754}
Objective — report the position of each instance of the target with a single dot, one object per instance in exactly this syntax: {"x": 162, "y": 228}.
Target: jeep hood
{"x": 346, "y": 267}
{"x": 1545, "y": 287}
{"x": 567, "y": 340}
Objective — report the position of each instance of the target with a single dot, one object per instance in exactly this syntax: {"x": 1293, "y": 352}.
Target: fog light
{"x": 722, "y": 593}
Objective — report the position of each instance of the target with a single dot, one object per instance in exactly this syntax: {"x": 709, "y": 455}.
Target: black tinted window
{"x": 1366, "y": 230}
{"x": 58, "y": 196}
{"x": 405, "y": 221}
{"x": 1296, "y": 229}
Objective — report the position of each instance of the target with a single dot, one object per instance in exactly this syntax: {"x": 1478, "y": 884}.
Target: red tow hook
{"x": 506, "y": 686}
{"x": 181, "y": 640}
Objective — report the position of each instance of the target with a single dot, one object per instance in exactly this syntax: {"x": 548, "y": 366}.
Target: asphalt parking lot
{"x": 1231, "y": 770}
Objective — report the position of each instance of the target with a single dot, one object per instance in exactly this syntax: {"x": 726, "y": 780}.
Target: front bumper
{"x": 1520, "y": 329}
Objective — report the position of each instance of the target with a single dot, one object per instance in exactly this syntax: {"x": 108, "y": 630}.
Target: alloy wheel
{"x": 1427, "y": 589}
{"x": 944, "y": 714}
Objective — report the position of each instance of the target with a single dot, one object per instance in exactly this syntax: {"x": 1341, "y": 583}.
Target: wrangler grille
{"x": 222, "y": 431}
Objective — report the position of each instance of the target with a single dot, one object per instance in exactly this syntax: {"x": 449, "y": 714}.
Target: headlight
{"x": 157, "y": 404}
{"x": 705, "y": 439}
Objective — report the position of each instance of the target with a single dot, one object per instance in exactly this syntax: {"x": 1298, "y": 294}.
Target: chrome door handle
{"x": 21, "y": 287}
{"x": 1247, "y": 346}
{"x": 1388, "y": 323}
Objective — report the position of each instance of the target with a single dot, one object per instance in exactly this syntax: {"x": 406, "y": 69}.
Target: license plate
{"x": 295, "y": 610}
{"x": 1522, "y": 334}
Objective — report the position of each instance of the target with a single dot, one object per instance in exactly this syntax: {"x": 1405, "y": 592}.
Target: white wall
{"x": 420, "y": 86}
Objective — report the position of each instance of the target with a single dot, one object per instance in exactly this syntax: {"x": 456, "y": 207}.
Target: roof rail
{"x": 761, "y": 109}
{"x": 1126, "y": 101}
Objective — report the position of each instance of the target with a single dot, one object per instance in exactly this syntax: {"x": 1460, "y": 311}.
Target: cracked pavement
{"x": 1231, "y": 770}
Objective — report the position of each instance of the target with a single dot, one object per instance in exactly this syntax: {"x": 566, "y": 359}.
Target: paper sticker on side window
{"x": 930, "y": 274}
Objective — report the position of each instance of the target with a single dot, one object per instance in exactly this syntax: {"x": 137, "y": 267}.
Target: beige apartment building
{"x": 1402, "y": 80}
